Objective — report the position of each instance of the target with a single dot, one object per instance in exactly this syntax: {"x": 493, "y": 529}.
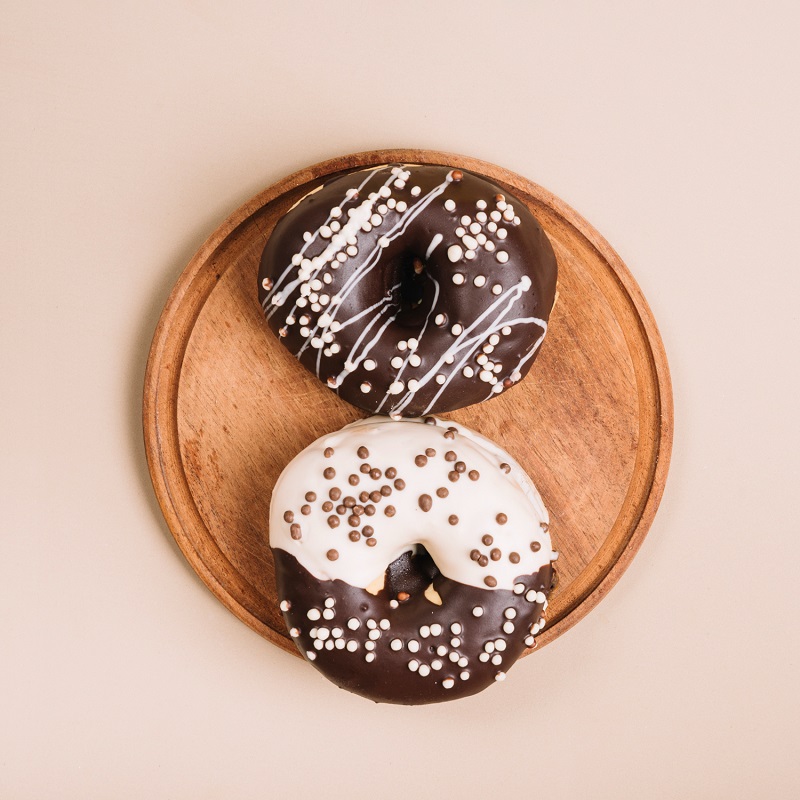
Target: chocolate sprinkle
{"x": 306, "y": 510}
{"x": 391, "y": 473}
{"x": 399, "y": 484}
{"x": 386, "y": 490}
{"x": 341, "y": 509}
{"x": 335, "y": 493}
{"x": 354, "y": 536}
{"x": 329, "y": 473}
{"x": 365, "y": 468}
{"x": 490, "y": 581}
{"x": 349, "y": 502}
{"x": 513, "y": 558}
{"x": 430, "y": 452}
{"x": 425, "y": 502}
{"x": 389, "y": 511}
{"x": 369, "y": 510}
{"x": 354, "y": 521}
{"x": 333, "y": 521}
{"x": 421, "y": 461}
{"x": 295, "y": 531}
{"x": 450, "y": 456}
{"x": 501, "y": 518}
{"x": 495, "y": 554}
{"x": 363, "y": 497}
{"x": 327, "y": 506}
{"x": 311, "y": 496}
{"x": 333, "y": 555}
{"x": 536, "y": 546}
{"x": 454, "y": 476}
{"x": 505, "y": 467}
{"x": 442, "y": 491}
{"x": 375, "y": 496}
{"x": 353, "y": 480}
{"x": 372, "y": 541}
{"x": 474, "y": 554}
{"x": 487, "y": 540}
{"x": 363, "y": 452}
{"x": 328, "y": 452}
{"x": 375, "y": 474}
{"x": 460, "y": 466}
{"x": 288, "y": 516}
{"x": 368, "y": 530}
{"x": 483, "y": 561}
{"x": 474, "y": 474}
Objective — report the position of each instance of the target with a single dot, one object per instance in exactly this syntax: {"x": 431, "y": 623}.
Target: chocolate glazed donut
{"x": 410, "y": 289}
{"x": 412, "y": 560}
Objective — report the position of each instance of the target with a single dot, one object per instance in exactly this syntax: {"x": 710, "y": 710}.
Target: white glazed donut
{"x": 412, "y": 558}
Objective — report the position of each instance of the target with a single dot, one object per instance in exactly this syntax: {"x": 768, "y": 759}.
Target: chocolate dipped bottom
{"x": 413, "y": 559}
{"x": 410, "y": 289}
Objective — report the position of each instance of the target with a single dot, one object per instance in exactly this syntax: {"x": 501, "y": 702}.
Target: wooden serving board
{"x": 226, "y": 407}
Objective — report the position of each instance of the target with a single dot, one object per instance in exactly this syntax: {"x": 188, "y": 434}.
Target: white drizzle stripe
{"x": 314, "y": 236}
{"x": 433, "y": 245}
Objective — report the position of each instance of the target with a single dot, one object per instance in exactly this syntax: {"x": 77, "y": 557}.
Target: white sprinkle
{"x": 453, "y": 656}
{"x": 463, "y": 661}
{"x": 460, "y": 232}
{"x": 481, "y": 204}
{"x": 502, "y": 233}
{"x": 436, "y": 664}
{"x": 323, "y": 634}
{"x": 424, "y": 670}
{"x": 464, "y": 676}
{"x": 500, "y": 645}
{"x": 436, "y": 629}
{"x": 337, "y": 633}
{"x": 501, "y": 676}
{"x": 325, "y": 232}
{"x": 384, "y": 625}
{"x": 352, "y": 645}
{"x": 505, "y": 330}
{"x": 502, "y": 205}
{"x": 310, "y": 655}
{"x": 456, "y": 329}
{"x": 402, "y": 345}
{"x": 448, "y": 683}
{"x": 510, "y": 613}
{"x": 470, "y": 255}
{"x": 485, "y": 375}
{"x": 294, "y": 632}
{"x": 285, "y": 605}
{"x": 383, "y": 242}
{"x": 508, "y": 214}
{"x": 481, "y": 216}
{"x": 413, "y": 645}
{"x": 394, "y": 604}
{"x": 489, "y": 246}
{"x": 382, "y": 209}
{"x": 369, "y": 365}
{"x": 396, "y": 362}
{"x": 458, "y": 279}
{"x": 465, "y": 220}
{"x": 353, "y": 624}
{"x": 455, "y": 628}
{"x": 484, "y": 657}
{"x": 396, "y": 644}
{"x": 366, "y": 387}
{"x": 304, "y": 331}
{"x": 497, "y": 288}
{"x": 530, "y": 596}
{"x": 413, "y": 385}
{"x": 496, "y": 217}
{"x": 479, "y": 280}
{"x": 375, "y": 220}
{"x": 454, "y": 253}
{"x": 508, "y": 627}
{"x": 413, "y": 344}
{"x": 481, "y": 237}
{"x": 470, "y": 242}
{"x": 296, "y": 259}
{"x": 402, "y": 206}
{"x": 440, "y": 319}
{"x": 502, "y": 256}
{"x": 477, "y": 611}
{"x": 497, "y": 659}
{"x": 440, "y": 379}
{"x": 413, "y": 665}
{"x": 384, "y": 191}
{"x": 352, "y": 251}
{"x": 455, "y": 642}
{"x": 370, "y": 645}
{"x": 415, "y": 190}
{"x": 369, "y": 657}
{"x": 396, "y": 387}
{"x": 371, "y": 624}
{"x": 336, "y": 326}
{"x": 482, "y": 358}
{"x": 450, "y": 205}
{"x": 441, "y": 650}
{"x": 328, "y": 614}
{"x": 329, "y": 602}
{"x": 414, "y": 360}
{"x": 468, "y": 372}
{"x": 540, "y": 597}
{"x": 450, "y": 359}
{"x": 475, "y": 228}
{"x": 313, "y": 614}
{"x": 489, "y": 647}
{"x": 424, "y": 631}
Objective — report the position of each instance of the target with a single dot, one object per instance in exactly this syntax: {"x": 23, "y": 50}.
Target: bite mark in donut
{"x": 447, "y": 596}
{"x": 410, "y": 289}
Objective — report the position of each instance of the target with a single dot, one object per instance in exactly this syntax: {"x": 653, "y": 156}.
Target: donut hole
{"x": 411, "y": 573}
{"x": 409, "y": 284}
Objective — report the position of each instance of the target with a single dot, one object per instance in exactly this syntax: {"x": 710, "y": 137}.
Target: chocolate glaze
{"x": 403, "y": 603}
{"x": 415, "y": 270}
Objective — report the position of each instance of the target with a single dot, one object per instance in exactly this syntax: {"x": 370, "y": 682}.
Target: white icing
{"x": 397, "y": 444}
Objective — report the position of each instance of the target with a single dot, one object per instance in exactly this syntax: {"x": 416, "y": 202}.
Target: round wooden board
{"x": 226, "y": 407}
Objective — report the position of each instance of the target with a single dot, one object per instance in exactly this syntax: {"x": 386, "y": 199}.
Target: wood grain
{"x": 226, "y": 407}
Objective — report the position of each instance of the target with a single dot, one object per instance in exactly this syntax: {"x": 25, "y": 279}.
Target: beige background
{"x": 129, "y": 130}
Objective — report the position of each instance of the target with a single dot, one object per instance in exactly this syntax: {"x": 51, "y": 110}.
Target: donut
{"x": 412, "y": 559}
{"x": 410, "y": 289}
